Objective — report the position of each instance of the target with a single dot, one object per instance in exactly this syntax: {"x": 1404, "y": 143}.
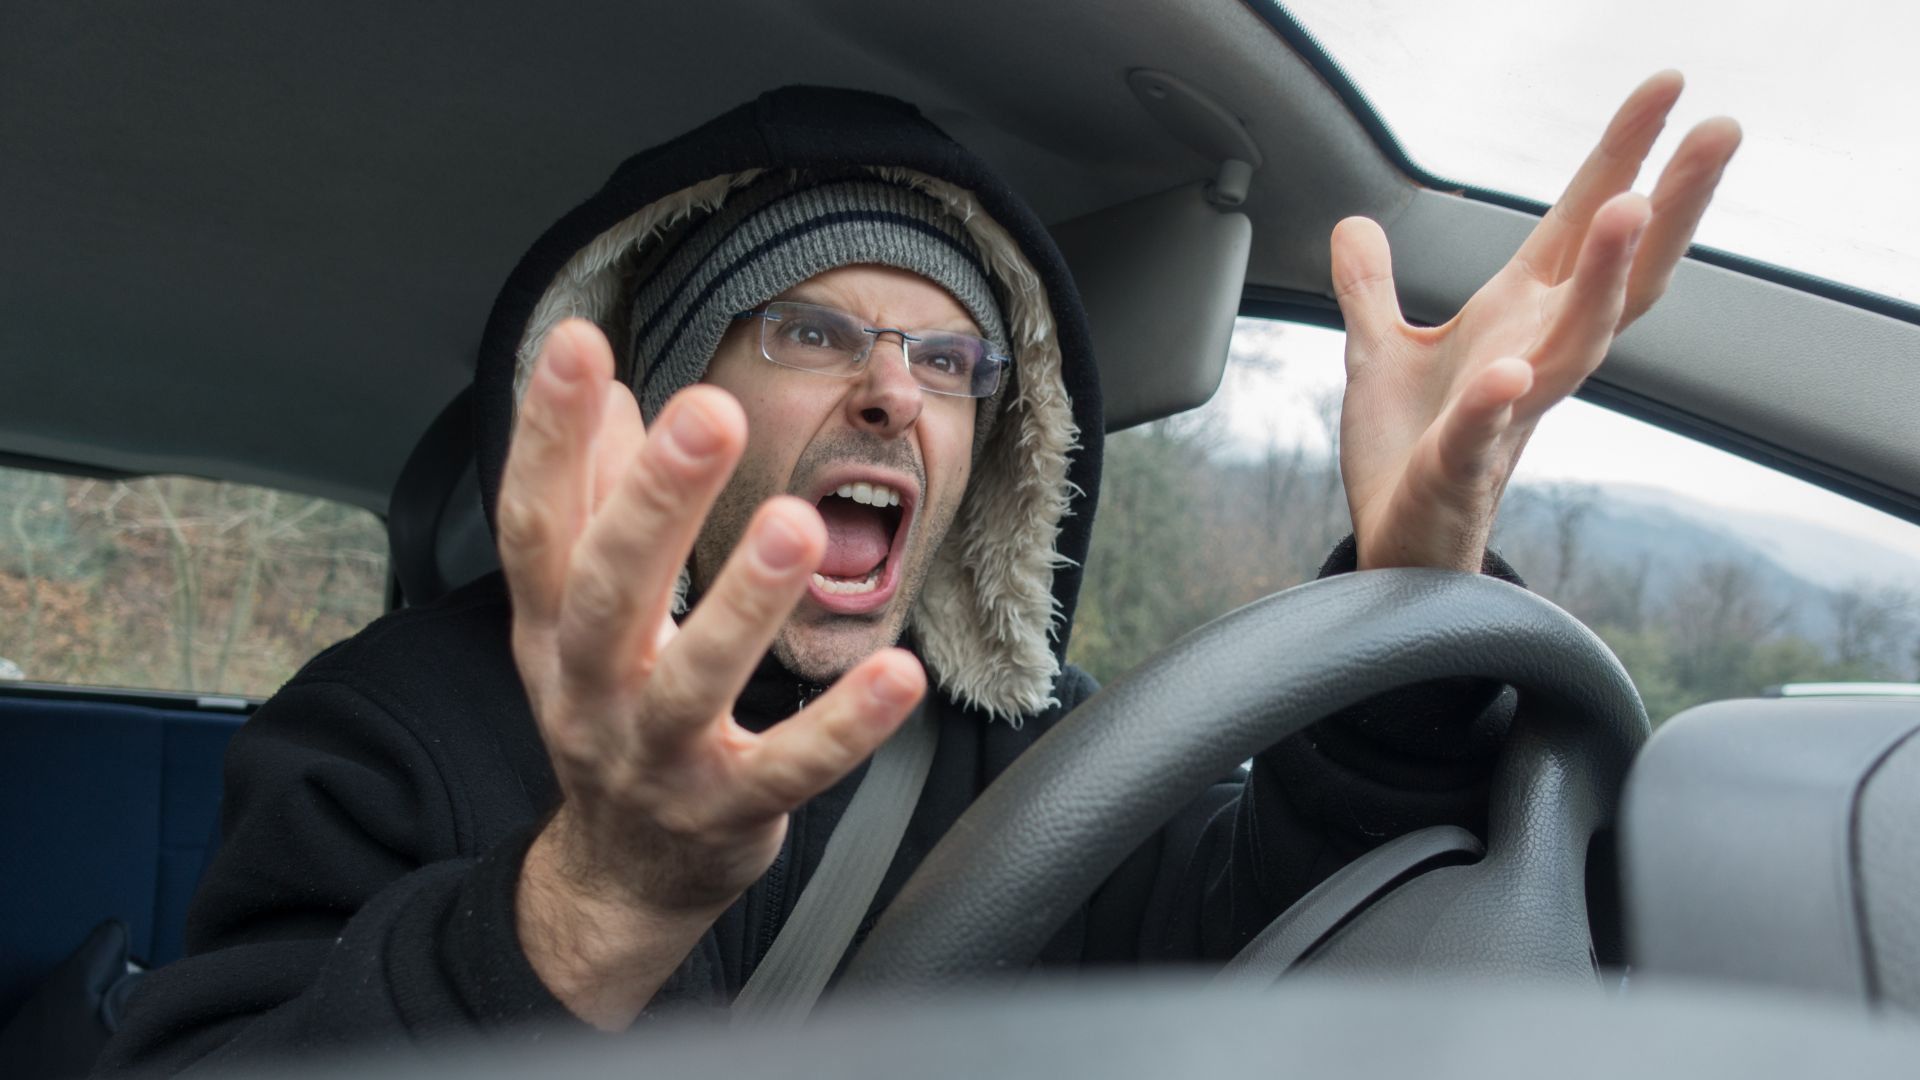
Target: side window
{"x": 175, "y": 583}
{"x": 1708, "y": 575}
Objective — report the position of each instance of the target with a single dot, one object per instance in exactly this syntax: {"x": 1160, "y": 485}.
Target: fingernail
{"x": 780, "y": 545}
{"x": 893, "y": 690}
{"x": 693, "y": 433}
{"x": 565, "y": 364}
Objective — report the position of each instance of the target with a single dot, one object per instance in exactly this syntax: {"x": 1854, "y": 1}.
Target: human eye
{"x": 945, "y": 363}
{"x": 946, "y": 358}
{"x": 806, "y": 331}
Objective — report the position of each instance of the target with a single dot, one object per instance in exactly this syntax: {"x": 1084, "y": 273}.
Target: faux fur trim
{"x": 986, "y": 617}
{"x": 591, "y": 285}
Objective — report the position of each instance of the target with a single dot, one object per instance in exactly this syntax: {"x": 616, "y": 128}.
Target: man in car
{"x": 823, "y": 443}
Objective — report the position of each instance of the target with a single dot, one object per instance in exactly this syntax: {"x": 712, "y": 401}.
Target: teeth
{"x": 869, "y": 494}
{"x": 848, "y": 588}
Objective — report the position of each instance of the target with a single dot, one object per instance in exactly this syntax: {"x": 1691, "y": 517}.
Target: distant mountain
{"x": 1797, "y": 565}
{"x": 1828, "y": 556}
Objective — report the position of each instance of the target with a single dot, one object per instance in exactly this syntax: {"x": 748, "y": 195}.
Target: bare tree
{"x": 1568, "y": 506}
{"x": 186, "y": 582}
{"x": 258, "y": 527}
{"x": 1873, "y": 627}
{"x": 1723, "y": 599}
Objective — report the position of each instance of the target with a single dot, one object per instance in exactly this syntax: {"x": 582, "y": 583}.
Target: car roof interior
{"x": 261, "y": 248}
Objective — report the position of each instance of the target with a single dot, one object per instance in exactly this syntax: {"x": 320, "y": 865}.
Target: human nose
{"x": 886, "y": 400}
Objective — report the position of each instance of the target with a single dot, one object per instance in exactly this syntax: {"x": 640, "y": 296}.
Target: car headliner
{"x": 261, "y": 246}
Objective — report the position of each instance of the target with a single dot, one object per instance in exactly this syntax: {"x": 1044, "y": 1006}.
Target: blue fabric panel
{"x": 105, "y": 812}
{"x": 195, "y": 745}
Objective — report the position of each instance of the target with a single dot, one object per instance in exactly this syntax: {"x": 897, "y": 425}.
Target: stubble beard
{"x": 821, "y": 646}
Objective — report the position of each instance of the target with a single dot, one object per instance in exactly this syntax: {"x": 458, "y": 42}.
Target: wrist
{"x": 599, "y": 946}
{"x": 1466, "y": 555}
{"x": 1390, "y": 559}
{"x": 1345, "y": 559}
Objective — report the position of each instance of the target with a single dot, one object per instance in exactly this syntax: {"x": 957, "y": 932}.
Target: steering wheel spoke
{"x": 1343, "y": 896}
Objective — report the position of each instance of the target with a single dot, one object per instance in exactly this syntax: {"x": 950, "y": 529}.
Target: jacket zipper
{"x": 771, "y": 912}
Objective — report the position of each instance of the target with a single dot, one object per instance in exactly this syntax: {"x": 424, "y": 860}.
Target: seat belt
{"x": 803, "y": 957}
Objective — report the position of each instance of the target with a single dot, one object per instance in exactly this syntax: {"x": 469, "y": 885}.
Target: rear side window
{"x": 175, "y": 583}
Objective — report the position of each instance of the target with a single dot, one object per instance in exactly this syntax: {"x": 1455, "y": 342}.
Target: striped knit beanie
{"x": 774, "y": 234}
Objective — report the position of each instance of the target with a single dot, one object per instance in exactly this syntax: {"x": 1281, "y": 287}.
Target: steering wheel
{"x": 1070, "y": 809}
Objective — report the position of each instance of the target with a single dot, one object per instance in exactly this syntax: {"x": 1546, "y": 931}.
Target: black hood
{"x": 1002, "y": 625}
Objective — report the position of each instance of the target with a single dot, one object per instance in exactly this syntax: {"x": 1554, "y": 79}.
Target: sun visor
{"x": 1161, "y": 279}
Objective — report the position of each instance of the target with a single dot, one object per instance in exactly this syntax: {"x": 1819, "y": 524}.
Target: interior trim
{"x": 1810, "y": 380}
{"x": 1287, "y": 305}
{"x": 123, "y": 695}
{"x": 34, "y": 463}
{"x": 1759, "y": 451}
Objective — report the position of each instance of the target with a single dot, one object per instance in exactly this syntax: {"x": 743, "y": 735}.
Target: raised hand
{"x": 670, "y": 809}
{"x": 1434, "y": 418}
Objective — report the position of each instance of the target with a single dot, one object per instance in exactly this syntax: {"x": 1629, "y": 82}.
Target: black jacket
{"x": 379, "y": 806}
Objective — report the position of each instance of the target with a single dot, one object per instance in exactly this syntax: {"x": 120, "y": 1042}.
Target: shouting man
{"x": 791, "y": 427}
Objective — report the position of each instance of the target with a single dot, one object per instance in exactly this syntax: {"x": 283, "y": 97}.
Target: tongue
{"x": 857, "y": 538}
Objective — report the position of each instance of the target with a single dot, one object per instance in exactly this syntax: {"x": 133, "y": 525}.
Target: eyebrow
{"x": 959, "y": 324}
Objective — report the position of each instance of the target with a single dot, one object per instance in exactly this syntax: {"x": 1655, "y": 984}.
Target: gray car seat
{"x": 437, "y": 533}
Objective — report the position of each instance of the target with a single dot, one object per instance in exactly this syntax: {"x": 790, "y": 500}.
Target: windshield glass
{"x": 1708, "y": 575}
{"x": 1510, "y": 94}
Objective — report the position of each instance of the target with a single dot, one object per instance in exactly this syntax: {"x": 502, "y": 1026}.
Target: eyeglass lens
{"x": 826, "y": 340}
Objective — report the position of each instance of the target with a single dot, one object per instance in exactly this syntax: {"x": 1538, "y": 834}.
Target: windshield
{"x": 1708, "y": 575}
{"x": 1508, "y": 95}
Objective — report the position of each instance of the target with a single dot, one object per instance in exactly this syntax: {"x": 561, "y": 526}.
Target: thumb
{"x": 1363, "y": 281}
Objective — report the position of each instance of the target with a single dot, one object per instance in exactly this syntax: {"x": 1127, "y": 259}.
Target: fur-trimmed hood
{"x": 992, "y": 621}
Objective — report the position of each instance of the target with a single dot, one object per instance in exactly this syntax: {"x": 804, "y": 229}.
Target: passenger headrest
{"x": 437, "y": 534}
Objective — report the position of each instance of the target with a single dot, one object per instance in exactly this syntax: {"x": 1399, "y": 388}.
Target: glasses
{"x": 828, "y": 341}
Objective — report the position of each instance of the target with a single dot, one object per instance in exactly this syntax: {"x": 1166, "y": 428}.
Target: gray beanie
{"x": 774, "y": 234}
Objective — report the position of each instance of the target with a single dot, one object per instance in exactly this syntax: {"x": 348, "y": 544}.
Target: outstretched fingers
{"x": 1585, "y": 311}
{"x": 1552, "y": 251}
{"x": 1680, "y": 199}
{"x": 620, "y": 581}
{"x": 545, "y": 492}
{"x": 618, "y": 443}
{"x": 723, "y": 639}
{"x": 806, "y": 754}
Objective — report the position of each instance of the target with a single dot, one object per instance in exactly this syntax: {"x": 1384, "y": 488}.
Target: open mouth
{"x": 866, "y": 528}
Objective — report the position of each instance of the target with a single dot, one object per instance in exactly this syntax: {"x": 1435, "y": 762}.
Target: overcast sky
{"x": 1510, "y": 94}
